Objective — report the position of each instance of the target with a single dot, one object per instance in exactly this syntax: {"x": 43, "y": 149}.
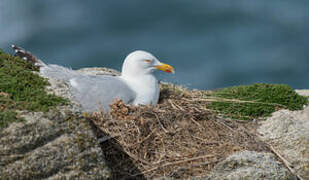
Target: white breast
{"x": 146, "y": 89}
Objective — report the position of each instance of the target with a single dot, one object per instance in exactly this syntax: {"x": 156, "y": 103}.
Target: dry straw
{"x": 179, "y": 137}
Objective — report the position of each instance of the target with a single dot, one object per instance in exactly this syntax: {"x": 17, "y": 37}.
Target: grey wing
{"x": 59, "y": 72}
{"x": 95, "y": 92}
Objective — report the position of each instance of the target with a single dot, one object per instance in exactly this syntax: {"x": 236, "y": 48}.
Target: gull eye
{"x": 148, "y": 61}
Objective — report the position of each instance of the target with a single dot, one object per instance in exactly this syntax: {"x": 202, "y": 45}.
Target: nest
{"x": 177, "y": 138}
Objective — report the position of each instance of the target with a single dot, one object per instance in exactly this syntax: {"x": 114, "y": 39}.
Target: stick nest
{"x": 177, "y": 138}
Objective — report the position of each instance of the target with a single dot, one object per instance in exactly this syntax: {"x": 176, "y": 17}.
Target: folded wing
{"x": 95, "y": 92}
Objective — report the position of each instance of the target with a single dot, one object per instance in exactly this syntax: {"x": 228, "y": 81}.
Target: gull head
{"x": 141, "y": 63}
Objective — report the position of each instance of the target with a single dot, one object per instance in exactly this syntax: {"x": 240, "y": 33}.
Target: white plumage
{"x": 136, "y": 85}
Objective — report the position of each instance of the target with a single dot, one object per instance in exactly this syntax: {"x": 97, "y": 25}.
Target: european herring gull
{"x": 136, "y": 85}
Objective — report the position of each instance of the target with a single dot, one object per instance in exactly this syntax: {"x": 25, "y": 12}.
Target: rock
{"x": 62, "y": 145}
{"x": 288, "y": 132}
{"x": 99, "y": 71}
{"x": 62, "y": 89}
{"x": 53, "y": 145}
{"x": 302, "y": 92}
{"x": 250, "y": 165}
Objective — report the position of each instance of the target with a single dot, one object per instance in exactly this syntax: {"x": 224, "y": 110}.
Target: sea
{"x": 211, "y": 43}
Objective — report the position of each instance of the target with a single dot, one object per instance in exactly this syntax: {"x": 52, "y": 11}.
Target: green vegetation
{"x": 257, "y": 100}
{"x": 21, "y": 89}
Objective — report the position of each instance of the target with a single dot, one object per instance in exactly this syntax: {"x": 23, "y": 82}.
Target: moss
{"x": 257, "y": 100}
{"x": 21, "y": 89}
{"x": 6, "y": 117}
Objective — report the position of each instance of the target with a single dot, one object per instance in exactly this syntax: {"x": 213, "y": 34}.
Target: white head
{"x": 141, "y": 62}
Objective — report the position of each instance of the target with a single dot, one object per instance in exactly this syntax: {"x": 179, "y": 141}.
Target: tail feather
{"x": 50, "y": 70}
{"x": 27, "y": 56}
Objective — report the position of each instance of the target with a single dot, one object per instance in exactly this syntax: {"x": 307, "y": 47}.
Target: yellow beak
{"x": 166, "y": 68}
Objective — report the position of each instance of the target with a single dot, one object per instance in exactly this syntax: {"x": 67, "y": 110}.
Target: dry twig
{"x": 285, "y": 162}
{"x": 159, "y": 136}
{"x": 175, "y": 163}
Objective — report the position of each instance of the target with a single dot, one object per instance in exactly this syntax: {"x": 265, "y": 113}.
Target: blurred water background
{"x": 211, "y": 44}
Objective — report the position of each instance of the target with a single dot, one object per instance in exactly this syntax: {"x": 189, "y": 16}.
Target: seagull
{"x": 136, "y": 85}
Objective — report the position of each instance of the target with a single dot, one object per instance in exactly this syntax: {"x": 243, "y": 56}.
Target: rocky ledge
{"x": 63, "y": 145}
{"x": 59, "y": 144}
{"x": 287, "y": 133}
{"x": 51, "y": 146}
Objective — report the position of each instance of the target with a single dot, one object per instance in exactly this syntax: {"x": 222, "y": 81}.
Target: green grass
{"x": 24, "y": 89}
{"x": 257, "y": 100}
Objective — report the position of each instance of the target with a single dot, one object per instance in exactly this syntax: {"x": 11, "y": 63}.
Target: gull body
{"x": 136, "y": 85}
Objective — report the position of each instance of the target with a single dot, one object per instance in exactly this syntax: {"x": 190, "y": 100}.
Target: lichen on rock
{"x": 51, "y": 147}
{"x": 59, "y": 143}
{"x": 288, "y": 132}
{"x": 249, "y": 165}
{"x": 53, "y": 141}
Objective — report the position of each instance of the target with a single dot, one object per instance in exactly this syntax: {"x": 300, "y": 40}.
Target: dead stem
{"x": 175, "y": 163}
{"x": 178, "y": 130}
{"x": 285, "y": 162}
